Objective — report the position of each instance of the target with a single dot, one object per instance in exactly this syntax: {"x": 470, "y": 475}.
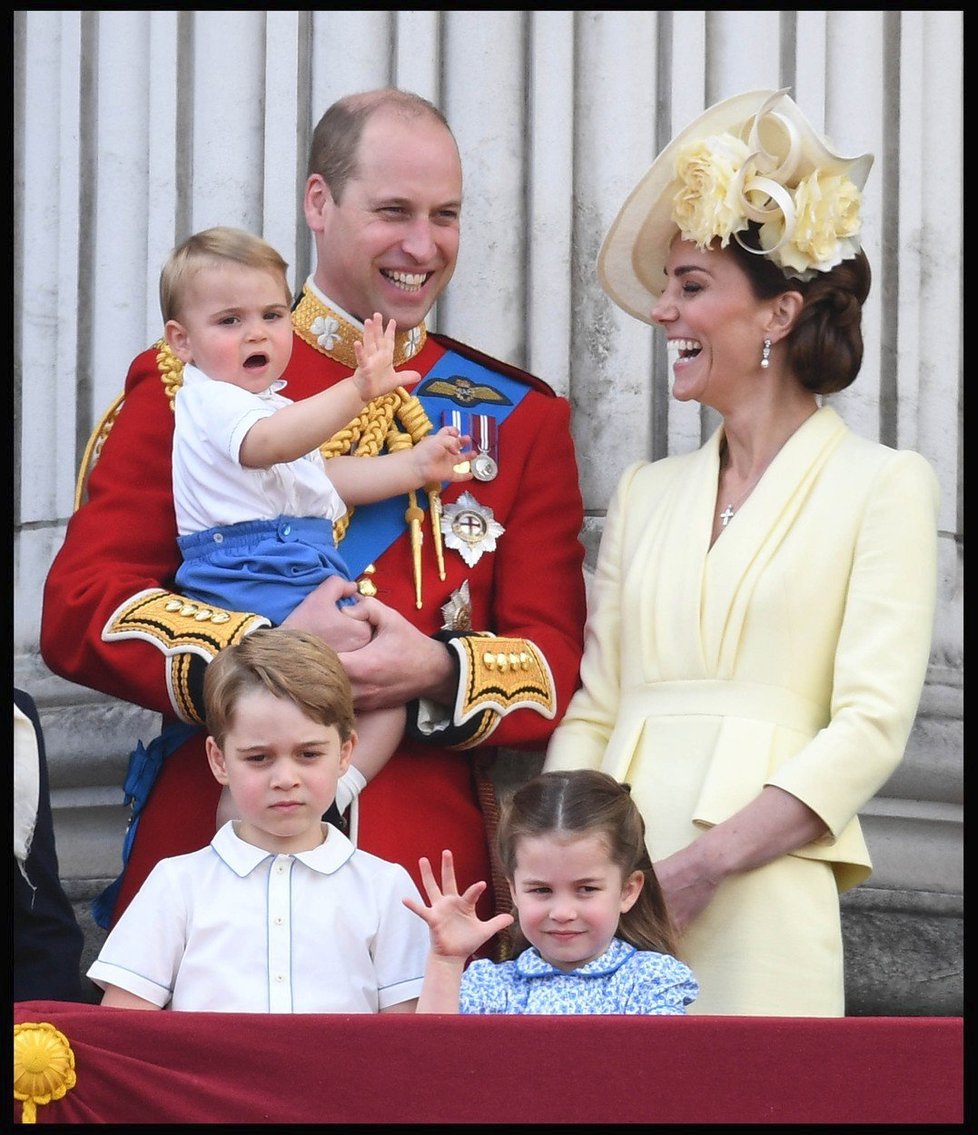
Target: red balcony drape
{"x": 164, "y": 1067}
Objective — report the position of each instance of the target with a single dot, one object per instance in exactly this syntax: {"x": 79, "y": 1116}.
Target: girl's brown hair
{"x": 587, "y": 802}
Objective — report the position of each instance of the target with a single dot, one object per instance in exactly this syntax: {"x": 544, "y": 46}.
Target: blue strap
{"x": 378, "y": 525}
{"x": 144, "y": 767}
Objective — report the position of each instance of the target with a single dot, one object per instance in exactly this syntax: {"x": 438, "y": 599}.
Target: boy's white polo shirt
{"x": 235, "y": 929}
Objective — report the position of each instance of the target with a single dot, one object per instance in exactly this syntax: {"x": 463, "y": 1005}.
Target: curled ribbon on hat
{"x": 779, "y": 172}
{"x": 786, "y": 170}
{"x": 772, "y": 191}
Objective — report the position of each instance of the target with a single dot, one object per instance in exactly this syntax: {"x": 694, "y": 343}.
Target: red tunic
{"x": 121, "y": 543}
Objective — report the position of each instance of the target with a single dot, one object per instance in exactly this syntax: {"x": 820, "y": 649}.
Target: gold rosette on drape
{"x": 44, "y": 1067}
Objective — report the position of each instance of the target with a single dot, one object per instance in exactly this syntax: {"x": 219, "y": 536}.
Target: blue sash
{"x": 377, "y": 526}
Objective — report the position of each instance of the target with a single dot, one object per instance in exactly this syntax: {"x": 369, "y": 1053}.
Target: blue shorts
{"x": 265, "y": 566}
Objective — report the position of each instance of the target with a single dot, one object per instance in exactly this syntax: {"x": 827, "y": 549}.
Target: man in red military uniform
{"x": 480, "y": 627}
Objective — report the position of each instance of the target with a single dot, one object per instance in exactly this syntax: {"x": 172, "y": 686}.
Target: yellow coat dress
{"x": 793, "y": 652}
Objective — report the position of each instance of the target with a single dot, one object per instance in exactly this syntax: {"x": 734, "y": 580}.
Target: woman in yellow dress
{"x": 761, "y": 614}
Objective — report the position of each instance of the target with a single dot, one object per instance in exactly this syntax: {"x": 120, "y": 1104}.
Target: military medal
{"x": 484, "y": 431}
{"x": 470, "y": 528}
{"x": 485, "y": 438}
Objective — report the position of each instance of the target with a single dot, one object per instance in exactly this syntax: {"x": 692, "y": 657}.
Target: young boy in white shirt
{"x": 280, "y": 913}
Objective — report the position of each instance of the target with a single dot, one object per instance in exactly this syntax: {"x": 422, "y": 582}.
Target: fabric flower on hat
{"x": 807, "y": 224}
{"x": 708, "y": 203}
{"x": 826, "y": 228}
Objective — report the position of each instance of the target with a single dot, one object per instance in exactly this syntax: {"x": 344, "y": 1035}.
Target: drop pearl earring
{"x": 766, "y": 354}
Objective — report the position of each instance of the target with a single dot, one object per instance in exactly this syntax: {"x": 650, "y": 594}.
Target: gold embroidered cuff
{"x": 500, "y": 675}
{"x": 183, "y": 630}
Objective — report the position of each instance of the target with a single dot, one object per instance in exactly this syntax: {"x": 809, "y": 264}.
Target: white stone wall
{"x": 134, "y": 128}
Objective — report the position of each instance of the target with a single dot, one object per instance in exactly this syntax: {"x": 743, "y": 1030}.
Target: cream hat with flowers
{"x": 751, "y": 157}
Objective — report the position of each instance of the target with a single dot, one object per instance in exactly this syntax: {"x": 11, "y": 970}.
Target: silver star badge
{"x": 458, "y": 610}
{"x": 469, "y": 528}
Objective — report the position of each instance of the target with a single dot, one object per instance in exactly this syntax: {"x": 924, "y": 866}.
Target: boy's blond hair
{"x": 207, "y": 249}
{"x": 288, "y": 663}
